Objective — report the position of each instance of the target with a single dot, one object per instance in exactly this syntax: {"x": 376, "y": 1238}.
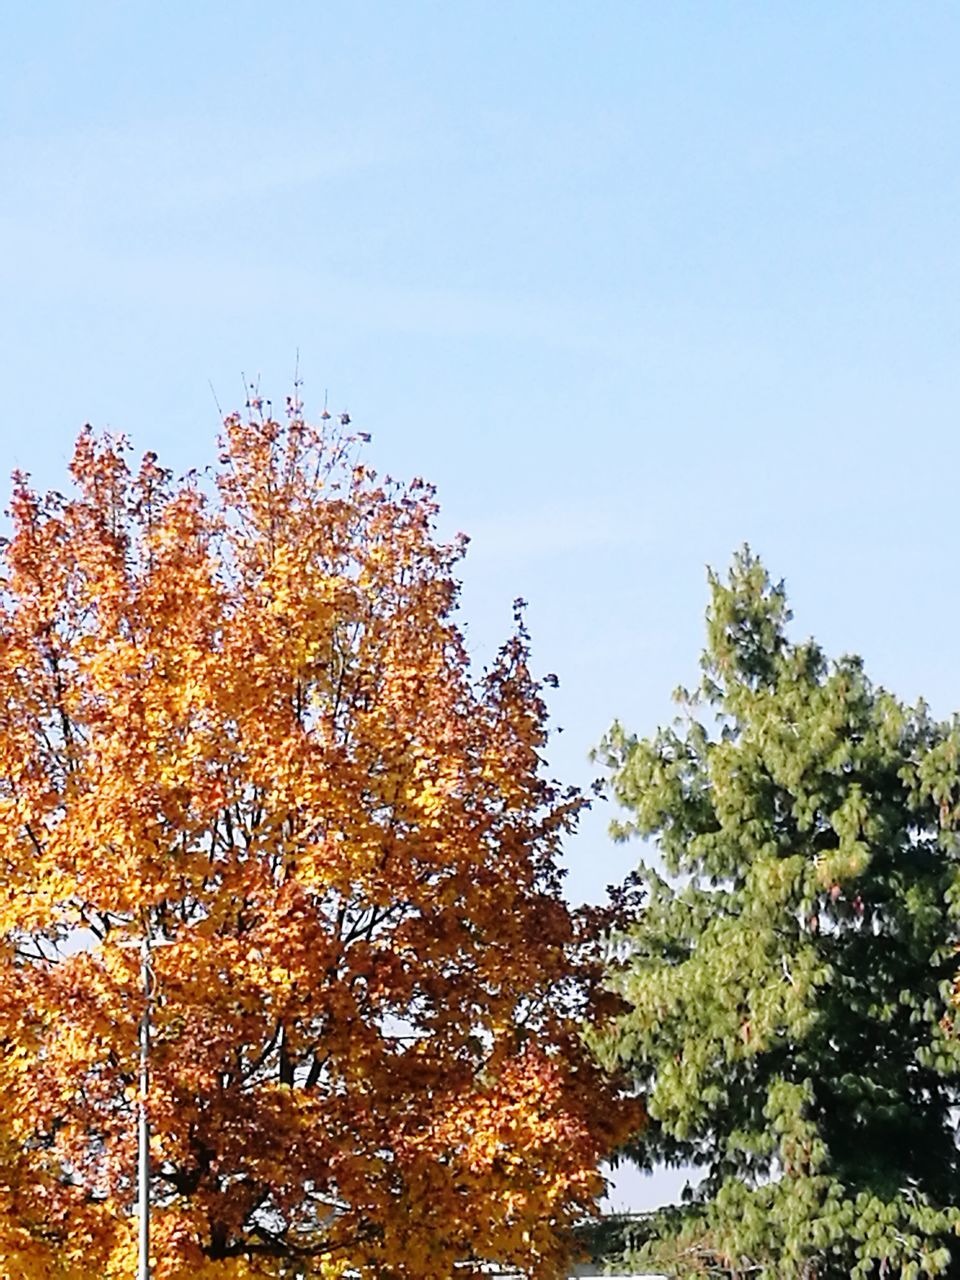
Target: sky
{"x": 632, "y": 283}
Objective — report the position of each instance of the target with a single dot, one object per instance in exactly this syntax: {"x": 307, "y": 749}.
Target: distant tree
{"x": 790, "y": 966}
{"x": 239, "y": 718}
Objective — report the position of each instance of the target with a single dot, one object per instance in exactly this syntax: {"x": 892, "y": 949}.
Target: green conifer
{"x": 789, "y": 972}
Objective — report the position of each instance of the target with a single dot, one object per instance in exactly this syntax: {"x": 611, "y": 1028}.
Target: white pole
{"x": 143, "y": 1126}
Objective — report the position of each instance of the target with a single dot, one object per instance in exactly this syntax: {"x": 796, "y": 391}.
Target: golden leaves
{"x": 244, "y": 720}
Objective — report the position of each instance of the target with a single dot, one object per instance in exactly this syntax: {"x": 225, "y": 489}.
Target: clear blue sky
{"x": 631, "y": 282}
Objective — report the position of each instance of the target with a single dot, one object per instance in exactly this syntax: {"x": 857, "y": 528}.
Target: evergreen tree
{"x": 788, "y": 975}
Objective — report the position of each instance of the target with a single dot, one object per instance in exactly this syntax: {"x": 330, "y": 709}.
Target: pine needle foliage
{"x": 789, "y": 971}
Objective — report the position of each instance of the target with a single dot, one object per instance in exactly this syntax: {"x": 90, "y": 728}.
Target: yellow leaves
{"x": 122, "y": 1259}
{"x": 247, "y": 723}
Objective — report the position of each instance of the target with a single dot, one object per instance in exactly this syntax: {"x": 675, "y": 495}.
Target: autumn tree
{"x": 790, "y": 965}
{"x": 237, "y": 717}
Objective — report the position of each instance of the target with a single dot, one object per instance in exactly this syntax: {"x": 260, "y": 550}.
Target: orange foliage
{"x": 244, "y": 721}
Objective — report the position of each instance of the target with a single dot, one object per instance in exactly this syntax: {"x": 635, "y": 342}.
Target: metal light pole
{"x": 143, "y": 1118}
{"x": 146, "y": 945}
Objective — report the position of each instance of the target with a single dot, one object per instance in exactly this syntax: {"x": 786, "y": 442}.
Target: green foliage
{"x": 789, "y": 973}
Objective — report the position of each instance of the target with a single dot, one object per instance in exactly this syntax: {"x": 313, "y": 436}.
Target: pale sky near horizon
{"x": 631, "y": 282}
